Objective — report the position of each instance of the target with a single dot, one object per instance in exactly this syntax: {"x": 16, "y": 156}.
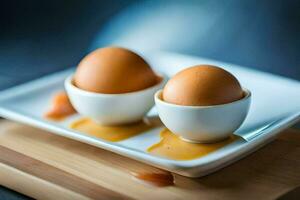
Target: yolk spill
{"x": 61, "y": 107}
{"x": 172, "y": 147}
{"x": 114, "y": 133}
{"x": 160, "y": 179}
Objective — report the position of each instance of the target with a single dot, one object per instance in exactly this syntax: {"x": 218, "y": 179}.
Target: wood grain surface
{"x": 46, "y": 166}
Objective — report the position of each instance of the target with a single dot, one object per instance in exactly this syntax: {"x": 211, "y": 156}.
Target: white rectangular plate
{"x": 275, "y": 106}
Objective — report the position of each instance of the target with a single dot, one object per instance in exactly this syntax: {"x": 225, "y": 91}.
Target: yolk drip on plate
{"x": 61, "y": 107}
{"x": 113, "y": 133}
{"x": 172, "y": 147}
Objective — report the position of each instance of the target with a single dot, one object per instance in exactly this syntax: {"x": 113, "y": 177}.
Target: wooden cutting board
{"x": 46, "y": 166}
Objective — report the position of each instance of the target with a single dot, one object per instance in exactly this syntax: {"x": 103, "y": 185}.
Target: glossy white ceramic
{"x": 274, "y": 107}
{"x": 112, "y": 109}
{"x": 203, "y": 124}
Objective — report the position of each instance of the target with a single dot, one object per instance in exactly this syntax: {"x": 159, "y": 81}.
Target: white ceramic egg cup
{"x": 203, "y": 124}
{"x": 112, "y": 109}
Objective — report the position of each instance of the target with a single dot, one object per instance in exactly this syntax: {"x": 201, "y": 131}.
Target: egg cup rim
{"x": 157, "y": 97}
{"x": 69, "y": 83}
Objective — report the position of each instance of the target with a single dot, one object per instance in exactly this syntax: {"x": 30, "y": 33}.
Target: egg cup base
{"x": 203, "y": 142}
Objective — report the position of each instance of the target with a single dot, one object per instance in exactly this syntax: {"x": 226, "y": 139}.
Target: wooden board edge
{"x": 32, "y": 186}
{"x": 25, "y": 165}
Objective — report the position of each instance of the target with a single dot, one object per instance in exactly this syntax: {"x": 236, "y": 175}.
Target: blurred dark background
{"x": 41, "y": 37}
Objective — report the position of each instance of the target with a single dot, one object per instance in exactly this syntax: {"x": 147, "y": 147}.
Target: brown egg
{"x": 202, "y": 85}
{"x": 114, "y": 70}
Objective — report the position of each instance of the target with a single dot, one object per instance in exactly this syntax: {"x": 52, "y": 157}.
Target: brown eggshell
{"x": 114, "y": 70}
{"x": 202, "y": 85}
